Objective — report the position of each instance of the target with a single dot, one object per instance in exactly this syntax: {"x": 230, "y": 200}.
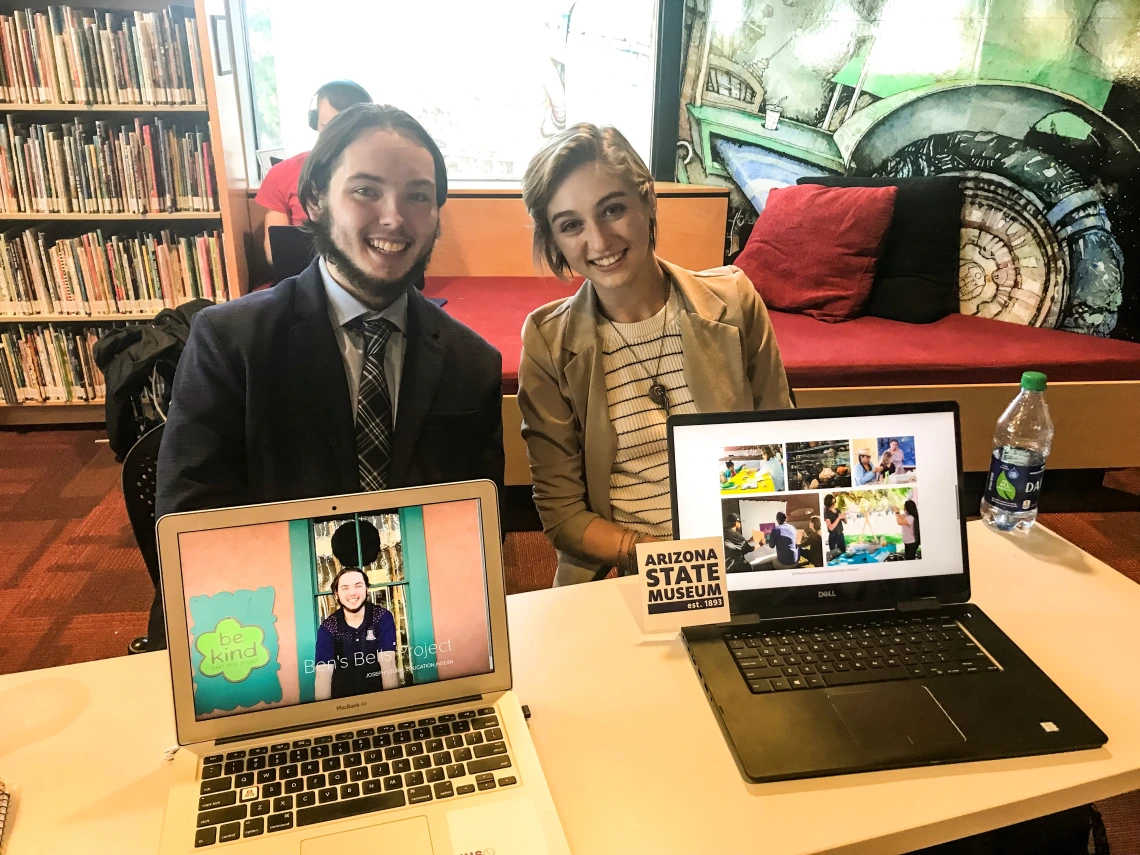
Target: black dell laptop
{"x": 854, "y": 645}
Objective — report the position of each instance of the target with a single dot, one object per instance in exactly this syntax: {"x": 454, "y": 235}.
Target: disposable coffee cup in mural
{"x": 772, "y": 114}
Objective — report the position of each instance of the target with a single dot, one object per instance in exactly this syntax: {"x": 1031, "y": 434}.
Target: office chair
{"x": 139, "y": 467}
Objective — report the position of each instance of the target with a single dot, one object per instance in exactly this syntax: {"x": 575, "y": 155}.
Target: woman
{"x": 641, "y": 339}
{"x": 836, "y": 542}
{"x": 908, "y": 521}
{"x": 886, "y": 467}
{"x": 773, "y": 466}
{"x": 864, "y": 471}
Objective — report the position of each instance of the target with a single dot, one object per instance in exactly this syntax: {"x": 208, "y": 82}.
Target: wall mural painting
{"x": 1035, "y": 104}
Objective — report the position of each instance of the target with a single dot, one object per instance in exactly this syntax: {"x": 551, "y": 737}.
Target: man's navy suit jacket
{"x": 260, "y": 410}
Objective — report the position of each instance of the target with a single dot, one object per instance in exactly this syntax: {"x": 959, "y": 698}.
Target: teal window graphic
{"x": 234, "y": 649}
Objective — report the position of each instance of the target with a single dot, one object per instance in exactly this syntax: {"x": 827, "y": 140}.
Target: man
{"x": 278, "y": 191}
{"x": 356, "y": 644}
{"x": 344, "y": 378}
{"x": 783, "y": 539}
{"x": 736, "y": 545}
{"x": 812, "y": 546}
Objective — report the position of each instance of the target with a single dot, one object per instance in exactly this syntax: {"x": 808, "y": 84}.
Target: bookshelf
{"x": 157, "y": 215}
{"x": 109, "y": 109}
{"x": 218, "y": 117}
{"x": 99, "y": 318}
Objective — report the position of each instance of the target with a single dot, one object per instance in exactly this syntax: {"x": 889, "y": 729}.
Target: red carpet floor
{"x": 73, "y": 587}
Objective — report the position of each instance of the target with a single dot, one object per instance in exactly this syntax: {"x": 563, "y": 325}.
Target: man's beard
{"x": 363, "y": 603}
{"x": 383, "y": 290}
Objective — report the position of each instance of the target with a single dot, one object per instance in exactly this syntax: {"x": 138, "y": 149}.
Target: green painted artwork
{"x": 234, "y": 650}
{"x": 1034, "y": 107}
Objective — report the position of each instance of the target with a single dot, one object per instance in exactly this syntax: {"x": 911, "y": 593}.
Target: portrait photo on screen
{"x": 819, "y": 464}
{"x": 884, "y": 460}
{"x": 874, "y": 525}
{"x": 777, "y": 533}
{"x": 749, "y": 469}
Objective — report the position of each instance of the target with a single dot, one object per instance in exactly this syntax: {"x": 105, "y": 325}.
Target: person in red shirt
{"x": 278, "y": 191}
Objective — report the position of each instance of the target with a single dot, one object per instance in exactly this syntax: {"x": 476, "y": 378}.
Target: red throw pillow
{"x": 813, "y": 249}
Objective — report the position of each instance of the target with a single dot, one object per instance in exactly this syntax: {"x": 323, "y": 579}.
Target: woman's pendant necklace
{"x": 658, "y": 394}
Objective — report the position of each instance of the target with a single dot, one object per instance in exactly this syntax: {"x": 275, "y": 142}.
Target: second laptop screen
{"x": 312, "y": 609}
{"x": 823, "y": 501}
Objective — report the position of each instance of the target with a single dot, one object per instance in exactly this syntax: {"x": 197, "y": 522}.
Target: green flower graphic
{"x": 1005, "y": 488}
{"x": 232, "y": 650}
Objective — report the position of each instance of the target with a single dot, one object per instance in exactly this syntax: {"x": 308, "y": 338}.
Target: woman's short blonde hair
{"x": 574, "y": 147}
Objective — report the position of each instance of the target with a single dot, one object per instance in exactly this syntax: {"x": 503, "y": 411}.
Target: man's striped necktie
{"x": 374, "y": 424}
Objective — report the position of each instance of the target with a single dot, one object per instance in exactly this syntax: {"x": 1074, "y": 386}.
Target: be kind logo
{"x": 232, "y": 650}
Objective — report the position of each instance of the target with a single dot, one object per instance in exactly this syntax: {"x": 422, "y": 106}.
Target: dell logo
{"x": 827, "y": 593}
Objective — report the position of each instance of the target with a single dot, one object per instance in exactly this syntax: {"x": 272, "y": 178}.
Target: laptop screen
{"x": 822, "y": 502}
{"x": 291, "y": 612}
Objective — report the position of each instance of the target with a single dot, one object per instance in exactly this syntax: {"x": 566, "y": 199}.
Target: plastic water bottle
{"x": 1022, "y": 439}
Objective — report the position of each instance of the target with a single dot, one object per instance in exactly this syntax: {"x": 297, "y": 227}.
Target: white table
{"x": 624, "y": 731}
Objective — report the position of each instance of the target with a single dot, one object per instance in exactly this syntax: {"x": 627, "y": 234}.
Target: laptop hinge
{"x": 922, "y": 604}
{"x": 375, "y": 714}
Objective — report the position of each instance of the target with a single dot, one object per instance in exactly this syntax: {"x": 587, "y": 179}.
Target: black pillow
{"x": 917, "y": 276}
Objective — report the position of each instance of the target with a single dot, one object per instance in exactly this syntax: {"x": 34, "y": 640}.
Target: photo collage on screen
{"x": 823, "y": 503}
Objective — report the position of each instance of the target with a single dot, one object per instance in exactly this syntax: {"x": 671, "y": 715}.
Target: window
{"x": 490, "y": 81}
{"x": 387, "y": 585}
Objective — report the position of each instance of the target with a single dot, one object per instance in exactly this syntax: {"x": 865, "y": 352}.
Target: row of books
{"x": 96, "y": 274}
{"x": 81, "y": 56}
{"x": 48, "y": 363}
{"x": 73, "y": 167}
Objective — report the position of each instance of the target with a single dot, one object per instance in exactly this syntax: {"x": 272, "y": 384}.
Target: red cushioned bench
{"x": 1094, "y": 391}
{"x": 496, "y": 309}
{"x": 957, "y": 349}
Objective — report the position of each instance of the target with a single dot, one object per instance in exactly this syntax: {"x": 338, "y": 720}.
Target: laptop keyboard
{"x": 817, "y": 655}
{"x": 283, "y": 785}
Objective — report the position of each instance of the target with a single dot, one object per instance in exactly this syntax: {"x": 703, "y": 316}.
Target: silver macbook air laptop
{"x": 342, "y": 680}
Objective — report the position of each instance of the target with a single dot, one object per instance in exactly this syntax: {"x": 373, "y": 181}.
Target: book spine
{"x": 28, "y": 51}
{"x": 64, "y": 70}
{"x": 19, "y": 157}
{"x": 8, "y": 89}
{"x": 132, "y": 60}
{"x": 24, "y": 52}
{"x": 166, "y": 194}
{"x": 152, "y": 174}
{"x": 34, "y": 272}
{"x": 195, "y": 51}
{"x": 142, "y": 50}
{"x": 110, "y": 67}
{"x": 125, "y": 296}
{"x": 15, "y": 360}
{"x": 7, "y": 377}
{"x": 208, "y": 176}
{"x": 95, "y": 61}
{"x": 45, "y": 47}
{"x": 9, "y": 202}
{"x": 8, "y": 304}
{"x": 76, "y": 54}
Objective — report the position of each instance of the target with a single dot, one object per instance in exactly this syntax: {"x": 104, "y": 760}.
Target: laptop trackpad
{"x": 895, "y": 716}
{"x": 408, "y": 837}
